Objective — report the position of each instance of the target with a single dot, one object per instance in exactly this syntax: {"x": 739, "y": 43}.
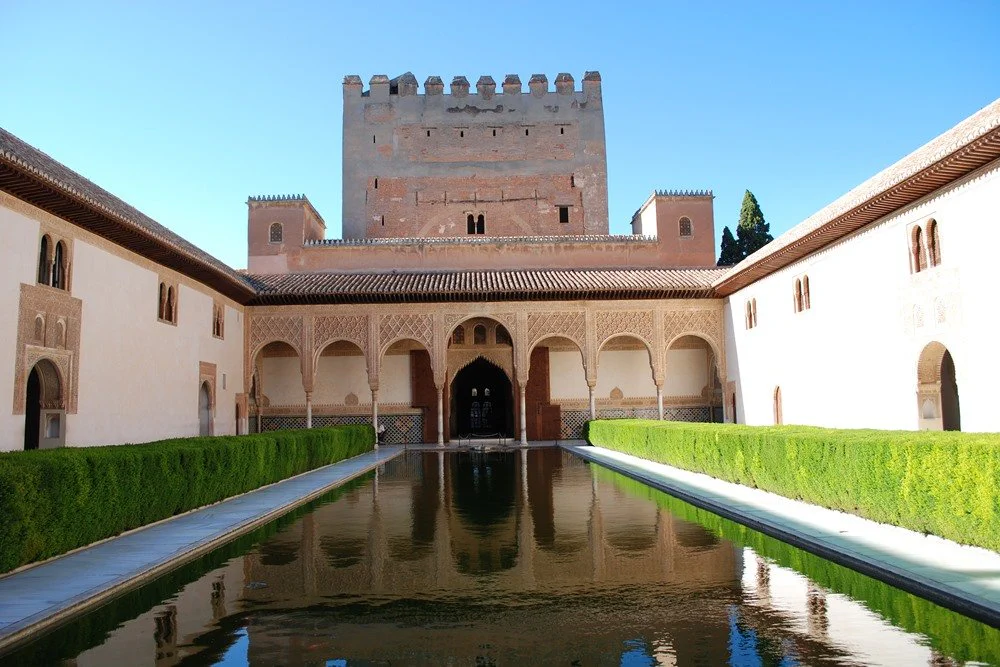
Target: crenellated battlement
{"x": 684, "y": 193}
{"x": 269, "y": 198}
{"x": 381, "y": 86}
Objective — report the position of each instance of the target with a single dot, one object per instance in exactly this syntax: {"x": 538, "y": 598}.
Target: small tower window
{"x": 684, "y": 226}
{"x": 383, "y": 221}
{"x": 471, "y": 224}
{"x": 43, "y": 261}
{"x": 797, "y": 296}
{"x": 376, "y": 183}
{"x": 461, "y": 133}
{"x": 161, "y": 310}
{"x": 428, "y": 133}
{"x": 564, "y": 214}
{"x": 481, "y": 224}
{"x": 171, "y": 313}
{"x": 918, "y": 251}
{"x": 562, "y": 130}
{"x": 373, "y": 138}
{"x": 276, "y": 233}
{"x": 805, "y": 293}
{"x": 525, "y": 131}
{"x": 59, "y": 267}
{"x": 494, "y": 132}
{"x": 933, "y": 243}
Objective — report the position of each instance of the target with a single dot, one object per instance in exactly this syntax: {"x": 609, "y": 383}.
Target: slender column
{"x": 524, "y": 419}
{"x": 309, "y": 410}
{"x": 375, "y": 414}
{"x": 440, "y": 392}
{"x": 593, "y": 402}
{"x": 659, "y": 400}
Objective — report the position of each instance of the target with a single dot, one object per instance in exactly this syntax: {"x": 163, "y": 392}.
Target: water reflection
{"x": 530, "y": 557}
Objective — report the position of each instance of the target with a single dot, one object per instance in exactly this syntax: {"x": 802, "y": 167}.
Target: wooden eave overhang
{"x": 36, "y": 187}
{"x": 977, "y": 153}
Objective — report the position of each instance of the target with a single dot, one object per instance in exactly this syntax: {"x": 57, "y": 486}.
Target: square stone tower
{"x": 508, "y": 163}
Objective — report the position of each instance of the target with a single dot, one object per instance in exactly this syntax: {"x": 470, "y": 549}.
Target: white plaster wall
{"x": 686, "y": 372}
{"x": 629, "y": 370}
{"x": 19, "y": 238}
{"x": 567, "y": 379}
{"x": 139, "y": 378}
{"x": 337, "y": 376}
{"x": 647, "y": 219}
{"x": 851, "y": 360}
{"x": 281, "y": 381}
{"x": 394, "y": 384}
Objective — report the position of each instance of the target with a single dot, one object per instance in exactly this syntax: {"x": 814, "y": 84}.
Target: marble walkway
{"x": 963, "y": 578}
{"x": 42, "y": 596}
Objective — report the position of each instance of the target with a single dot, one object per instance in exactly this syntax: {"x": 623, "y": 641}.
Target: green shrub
{"x": 55, "y": 500}
{"x": 943, "y": 483}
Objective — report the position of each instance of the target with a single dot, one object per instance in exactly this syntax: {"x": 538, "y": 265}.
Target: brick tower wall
{"x": 418, "y": 165}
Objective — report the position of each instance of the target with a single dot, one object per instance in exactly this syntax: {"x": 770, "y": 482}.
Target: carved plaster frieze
{"x": 611, "y": 323}
{"x": 351, "y": 328}
{"x": 568, "y": 324}
{"x": 395, "y": 326}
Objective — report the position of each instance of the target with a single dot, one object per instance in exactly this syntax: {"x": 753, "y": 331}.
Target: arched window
{"x": 59, "y": 267}
{"x": 471, "y": 224}
{"x": 276, "y": 233}
{"x": 748, "y": 319}
{"x": 161, "y": 310}
{"x": 481, "y": 224}
{"x": 43, "y": 261}
{"x": 778, "y": 417}
{"x": 933, "y": 242}
{"x": 918, "y": 252}
{"x": 797, "y": 295}
{"x": 684, "y": 226}
{"x": 753, "y": 312}
{"x": 458, "y": 338}
{"x": 805, "y": 293}
{"x": 502, "y": 335}
{"x": 479, "y": 335}
{"x": 170, "y": 314}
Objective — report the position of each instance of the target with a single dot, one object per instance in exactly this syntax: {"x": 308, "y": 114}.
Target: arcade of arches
{"x": 439, "y": 372}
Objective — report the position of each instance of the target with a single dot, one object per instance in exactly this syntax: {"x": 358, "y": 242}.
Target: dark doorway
{"x": 481, "y": 401}
{"x": 951, "y": 416}
{"x": 33, "y": 410}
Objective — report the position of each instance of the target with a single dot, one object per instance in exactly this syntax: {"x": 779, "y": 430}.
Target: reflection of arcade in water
{"x": 511, "y": 557}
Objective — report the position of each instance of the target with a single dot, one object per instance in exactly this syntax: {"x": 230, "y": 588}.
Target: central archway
{"x": 481, "y": 401}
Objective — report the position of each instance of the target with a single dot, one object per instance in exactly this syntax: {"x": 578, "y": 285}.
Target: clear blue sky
{"x": 183, "y": 109}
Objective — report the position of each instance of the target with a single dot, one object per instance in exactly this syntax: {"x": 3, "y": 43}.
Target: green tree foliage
{"x": 752, "y": 233}
{"x": 730, "y": 253}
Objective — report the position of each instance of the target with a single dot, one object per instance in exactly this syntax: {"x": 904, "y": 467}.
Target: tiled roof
{"x": 37, "y": 178}
{"x": 961, "y": 150}
{"x": 512, "y": 285}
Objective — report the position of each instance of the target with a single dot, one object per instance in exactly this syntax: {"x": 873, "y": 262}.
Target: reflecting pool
{"x": 512, "y": 557}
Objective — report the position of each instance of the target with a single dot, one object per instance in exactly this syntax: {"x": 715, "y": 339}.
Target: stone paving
{"x": 963, "y": 578}
{"x": 46, "y": 594}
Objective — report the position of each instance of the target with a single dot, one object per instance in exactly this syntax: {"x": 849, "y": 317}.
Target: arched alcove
{"x": 938, "y": 407}
{"x": 44, "y": 408}
{"x": 204, "y": 409}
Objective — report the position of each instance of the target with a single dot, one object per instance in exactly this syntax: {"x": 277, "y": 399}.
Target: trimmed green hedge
{"x": 959, "y": 637}
{"x": 52, "y": 501}
{"x": 943, "y": 483}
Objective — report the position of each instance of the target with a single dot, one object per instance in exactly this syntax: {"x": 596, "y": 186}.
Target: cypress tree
{"x": 753, "y": 233}
{"x": 729, "y": 254}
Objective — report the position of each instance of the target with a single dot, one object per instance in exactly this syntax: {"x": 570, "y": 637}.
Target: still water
{"x": 512, "y": 558}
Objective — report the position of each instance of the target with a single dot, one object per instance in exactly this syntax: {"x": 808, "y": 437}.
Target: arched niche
{"x": 625, "y": 362}
{"x": 45, "y": 407}
{"x": 938, "y": 407}
{"x": 341, "y": 373}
